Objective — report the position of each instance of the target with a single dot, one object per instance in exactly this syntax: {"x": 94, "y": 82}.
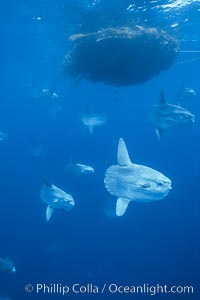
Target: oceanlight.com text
{"x": 111, "y": 288}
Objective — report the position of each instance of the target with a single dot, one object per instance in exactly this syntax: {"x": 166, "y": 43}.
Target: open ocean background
{"x": 152, "y": 243}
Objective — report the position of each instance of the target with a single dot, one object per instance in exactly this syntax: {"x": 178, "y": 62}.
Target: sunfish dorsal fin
{"x": 121, "y": 206}
{"x": 87, "y": 109}
{"x": 162, "y": 100}
{"x": 123, "y": 158}
{"x": 49, "y": 212}
{"x": 47, "y": 182}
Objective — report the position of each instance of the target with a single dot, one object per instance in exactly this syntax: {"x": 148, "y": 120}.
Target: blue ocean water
{"x": 155, "y": 243}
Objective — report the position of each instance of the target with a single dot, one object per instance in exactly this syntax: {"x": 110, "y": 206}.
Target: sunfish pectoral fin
{"x": 162, "y": 100}
{"x": 121, "y": 206}
{"x": 123, "y": 158}
{"x": 159, "y": 133}
{"x": 49, "y": 212}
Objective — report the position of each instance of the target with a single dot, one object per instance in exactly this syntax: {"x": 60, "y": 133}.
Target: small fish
{"x": 166, "y": 116}
{"x": 131, "y": 182}
{"x": 185, "y": 94}
{"x": 79, "y": 169}
{"x": 49, "y": 99}
{"x": 49, "y": 94}
{"x": 36, "y": 149}
{"x": 55, "y": 198}
{"x": 3, "y": 136}
{"x": 91, "y": 120}
{"x": 43, "y": 95}
{"x": 6, "y": 265}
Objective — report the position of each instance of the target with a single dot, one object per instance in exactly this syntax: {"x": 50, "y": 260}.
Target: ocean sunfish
{"x": 78, "y": 169}
{"x": 165, "y": 115}
{"x": 3, "y": 136}
{"x": 131, "y": 182}
{"x": 91, "y": 120}
{"x": 55, "y": 198}
{"x": 7, "y": 265}
{"x": 36, "y": 149}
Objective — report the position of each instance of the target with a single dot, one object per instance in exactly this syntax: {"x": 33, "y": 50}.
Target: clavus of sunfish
{"x": 55, "y": 198}
{"x": 131, "y": 182}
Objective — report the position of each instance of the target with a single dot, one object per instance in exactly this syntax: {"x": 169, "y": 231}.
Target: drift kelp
{"x": 120, "y": 56}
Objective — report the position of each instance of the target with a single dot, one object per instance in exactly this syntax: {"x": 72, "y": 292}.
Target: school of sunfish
{"x": 125, "y": 181}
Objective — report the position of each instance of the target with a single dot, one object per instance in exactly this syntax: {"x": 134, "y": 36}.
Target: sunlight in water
{"x": 177, "y": 4}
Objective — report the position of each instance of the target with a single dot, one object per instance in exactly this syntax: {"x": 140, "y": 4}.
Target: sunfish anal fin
{"x": 123, "y": 158}
{"x": 90, "y": 128}
{"x": 121, "y": 206}
{"x": 159, "y": 133}
{"x": 49, "y": 212}
{"x": 162, "y": 100}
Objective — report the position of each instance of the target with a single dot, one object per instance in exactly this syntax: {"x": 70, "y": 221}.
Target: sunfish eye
{"x": 145, "y": 185}
{"x": 160, "y": 183}
{"x": 177, "y": 117}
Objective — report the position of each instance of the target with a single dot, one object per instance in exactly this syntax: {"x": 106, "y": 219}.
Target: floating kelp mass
{"x": 120, "y": 56}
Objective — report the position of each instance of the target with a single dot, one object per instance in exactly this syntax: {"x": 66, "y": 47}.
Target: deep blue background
{"x": 153, "y": 243}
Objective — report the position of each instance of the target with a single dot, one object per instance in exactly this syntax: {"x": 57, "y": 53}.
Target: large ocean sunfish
{"x": 131, "y": 182}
